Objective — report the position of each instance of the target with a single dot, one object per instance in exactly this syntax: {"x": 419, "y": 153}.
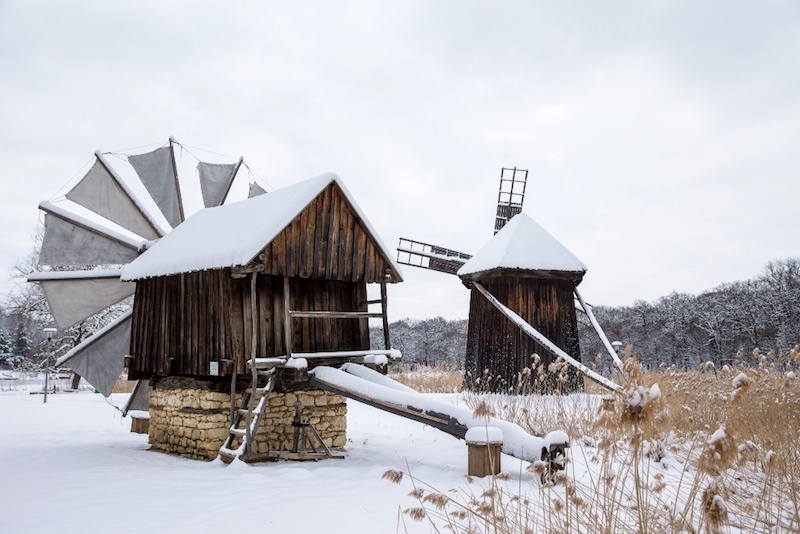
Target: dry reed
{"x": 709, "y": 450}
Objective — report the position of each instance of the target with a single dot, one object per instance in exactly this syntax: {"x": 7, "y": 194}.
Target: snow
{"x": 718, "y": 435}
{"x": 204, "y": 241}
{"x": 376, "y": 359}
{"x": 523, "y": 244}
{"x": 516, "y": 442}
{"x": 556, "y": 437}
{"x": 72, "y": 466}
{"x": 93, "y": 221}
{"x": 637, "y": 396}
{"x": 483, "y": 435}
{"x": 297, "y": 363}
{"x": 741, "y": 380}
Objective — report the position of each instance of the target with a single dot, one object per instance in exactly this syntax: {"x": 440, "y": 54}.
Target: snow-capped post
{"x": 483, "y": 450}
{"x": 49, "y": 333}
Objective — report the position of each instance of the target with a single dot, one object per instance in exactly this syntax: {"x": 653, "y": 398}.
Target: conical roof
{"x": 523, "y": 245}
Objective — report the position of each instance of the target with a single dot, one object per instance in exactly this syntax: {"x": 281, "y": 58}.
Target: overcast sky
{"x": 662, "y": 138}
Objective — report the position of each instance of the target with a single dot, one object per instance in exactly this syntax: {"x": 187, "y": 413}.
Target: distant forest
{"x": 678, "y": 329}
{"x": 718, "y": 325}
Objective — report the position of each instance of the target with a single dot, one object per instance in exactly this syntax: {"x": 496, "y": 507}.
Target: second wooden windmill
{"x": 523, "y": 285}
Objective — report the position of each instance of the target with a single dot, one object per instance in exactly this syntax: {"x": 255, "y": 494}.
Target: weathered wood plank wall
{"x": 181, "y": 323}
{"x": 327, "y": 241}
{"x": 497, "y": 349}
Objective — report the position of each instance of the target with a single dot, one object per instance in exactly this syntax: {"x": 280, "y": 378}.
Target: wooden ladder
{"x": 247, "y": 417}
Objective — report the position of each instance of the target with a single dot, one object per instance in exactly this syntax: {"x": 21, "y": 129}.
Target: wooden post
{"x": 253, "y": 355}
{"x": 287, "y": 317}
{"x": 384, "y": 301}
{"x": 140, "y": 425}
{"x": 483, "y": 451}
{"x": 175, "y": 174}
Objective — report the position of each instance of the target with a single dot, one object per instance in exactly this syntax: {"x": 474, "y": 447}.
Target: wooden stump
{"x": 483, "y": 451}
{"x": 140, "y": 425}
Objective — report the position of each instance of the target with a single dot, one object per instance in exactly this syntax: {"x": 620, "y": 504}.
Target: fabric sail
{"x": 157, "y": 173}
{"x": 139, "y": 399}
{"x": 68, "y": 244}
{"x": 100, "y": 359}
{"x": 73, "y": 300}
{"x": 215, "y": 181}
{"x": 255, "y": 190}
{"x": 100, "y": 193}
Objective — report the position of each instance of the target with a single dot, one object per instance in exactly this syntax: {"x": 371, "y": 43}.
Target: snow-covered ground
{"x": 72, "y": 465}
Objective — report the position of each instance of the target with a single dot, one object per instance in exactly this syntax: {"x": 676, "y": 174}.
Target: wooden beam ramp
{"x": 364, "y": 385}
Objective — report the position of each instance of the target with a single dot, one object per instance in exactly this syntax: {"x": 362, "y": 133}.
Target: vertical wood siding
{"x": 497, "y": 349}
{"x": 327, "y": 241}
{"x": 181, "y": 323}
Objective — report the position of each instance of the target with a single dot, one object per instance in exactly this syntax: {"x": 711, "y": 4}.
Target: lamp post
{"x": 49, "y": 333}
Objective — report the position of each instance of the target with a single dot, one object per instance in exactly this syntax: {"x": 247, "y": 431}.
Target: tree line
{"x": 718, "y": 325}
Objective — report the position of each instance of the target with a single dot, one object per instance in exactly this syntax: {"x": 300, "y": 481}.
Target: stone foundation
{"x": 194, "y": 421}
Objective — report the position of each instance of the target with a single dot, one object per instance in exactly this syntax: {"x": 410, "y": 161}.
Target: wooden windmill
{"x": 523, "y": 287}
{"x": 232, "y": 308}
{"x": 101, "y": 225}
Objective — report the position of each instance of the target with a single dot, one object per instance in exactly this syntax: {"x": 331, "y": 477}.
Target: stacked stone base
{"x": 190, "y": 419}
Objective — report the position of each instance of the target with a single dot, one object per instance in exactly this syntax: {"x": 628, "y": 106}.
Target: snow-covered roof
{"x": 523, "y": 244}
{"x": 234, "y": 234}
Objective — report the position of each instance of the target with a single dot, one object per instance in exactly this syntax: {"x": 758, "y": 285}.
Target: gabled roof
{"x": 524, "y": 245}
{"x": 234, "y": 234}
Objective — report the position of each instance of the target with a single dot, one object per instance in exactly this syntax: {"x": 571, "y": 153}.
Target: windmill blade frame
{"x": 117, "y": 226}
{"x": 71, "y": 240}
{"x": 510, "y": 195}
{"x": 428, "y": 256}
{"x": 100, "y": 359}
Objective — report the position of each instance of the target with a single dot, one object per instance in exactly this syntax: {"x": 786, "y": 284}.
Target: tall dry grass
{"x": 440, "y": 378}
{"x": 710, "y": 450}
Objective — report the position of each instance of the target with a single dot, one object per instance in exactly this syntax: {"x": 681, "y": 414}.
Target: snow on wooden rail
{"x": 278, "y": 361}
{"x": 364, "y": 385}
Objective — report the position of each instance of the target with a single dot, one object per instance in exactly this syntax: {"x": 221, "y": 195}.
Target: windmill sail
{"x": 100, "y": 359}
{"x": 255, "y": 190}
{"x": 427, "y": 256}
{"x": 104, "y": 193}
{"x": 76, "y": 295}
{"x": 510, "y": 196}
{"x": 139, "y": 399}
{"x": 216, "y": 180}
{"x": 157, "y": 171}
{"x": 72, "y": 240}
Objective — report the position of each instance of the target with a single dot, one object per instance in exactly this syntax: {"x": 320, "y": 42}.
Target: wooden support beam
{"x": 287, "y": 317}
{"x": 387, "y": 343}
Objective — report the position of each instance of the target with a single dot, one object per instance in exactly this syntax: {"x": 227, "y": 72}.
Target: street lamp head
{"x": 49, "y": 332}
